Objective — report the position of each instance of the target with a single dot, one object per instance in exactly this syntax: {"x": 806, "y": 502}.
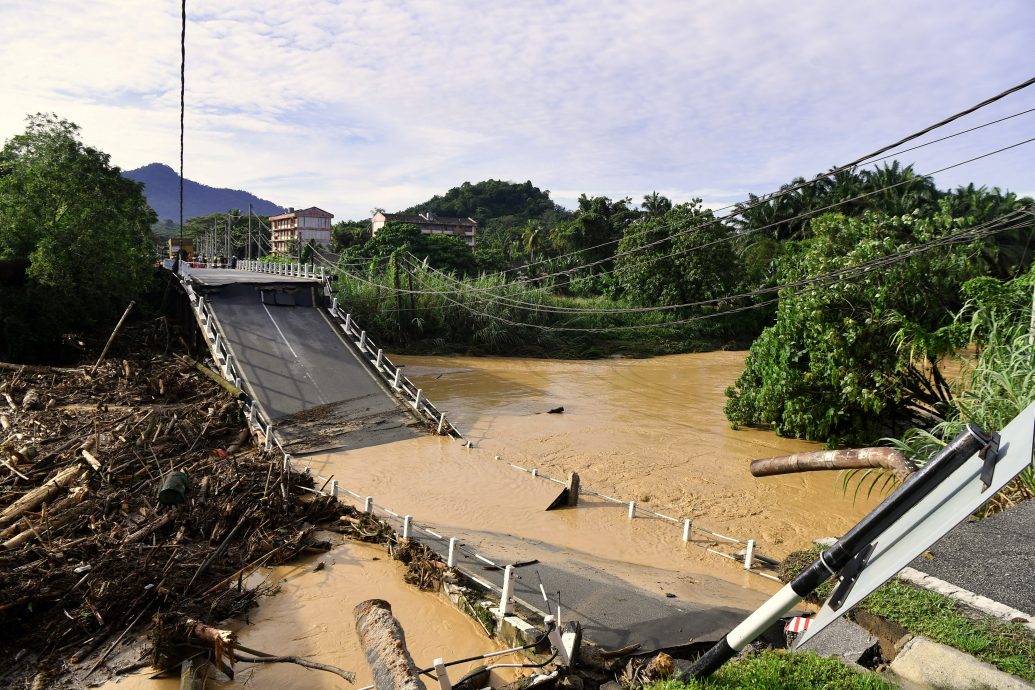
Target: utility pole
{"x": 249, "y": 252}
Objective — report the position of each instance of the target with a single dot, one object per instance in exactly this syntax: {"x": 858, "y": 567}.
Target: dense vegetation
{"x": 75, "y": 239}
{"x": 847, "y": 335}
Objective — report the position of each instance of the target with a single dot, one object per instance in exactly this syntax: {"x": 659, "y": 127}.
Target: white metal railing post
{"x": 348, "y": 323}
{"x": 451, "y": 556}
{"x": 287, "y": 462}
{"x": 321, "y": 272}
{"x": 441, "y": 423}
{"x": 749, "y": 554}
{"x": 334, "y": 488}
{"x": 632, "y": 509}
{"x": 368, "y": 505}
{"x": 407, "y": 525}
{"x": 363, "y": 341}
{"x": 686, "y": 530}
{"x": 395, "y": 381}
{"x": 416, "y": 399}
{"x": 334, "y": 306}
{"x": 268, "y": 435}
{"x": 555, "y": 640}
{"x": 380, "y": 356}
{"x": 443, "y": 676}
{"x": 508, "y": 591}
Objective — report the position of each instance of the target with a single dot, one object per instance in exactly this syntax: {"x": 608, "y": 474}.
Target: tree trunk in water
{"x": 850, "y": 459}
{"x": 384, "y": 644}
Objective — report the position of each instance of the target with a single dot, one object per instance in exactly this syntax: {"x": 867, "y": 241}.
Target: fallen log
{"x": 849, "y": 459}
{"x": 37, "y": 496}
{"x": 384, "y": 644}
{"x": 230, "y": 388}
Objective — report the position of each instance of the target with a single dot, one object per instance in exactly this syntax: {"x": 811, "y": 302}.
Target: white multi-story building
{"x": 300, "y": 226}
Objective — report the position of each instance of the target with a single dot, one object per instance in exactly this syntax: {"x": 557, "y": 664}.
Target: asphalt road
{"x": 993, "y": 557}
{"x": 614, "y": 612}
{"x": 304, "y": 376}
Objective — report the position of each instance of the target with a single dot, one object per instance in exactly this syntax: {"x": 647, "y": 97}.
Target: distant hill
{"x": 162, "y": 189}
{"x": 492, "y": 202}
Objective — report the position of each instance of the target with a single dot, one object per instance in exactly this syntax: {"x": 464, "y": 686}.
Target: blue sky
{"x": 377, "y": 103}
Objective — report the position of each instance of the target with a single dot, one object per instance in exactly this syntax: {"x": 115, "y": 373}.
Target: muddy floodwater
{"x": 311, "y": 617}
{"x": 647, "y": 430}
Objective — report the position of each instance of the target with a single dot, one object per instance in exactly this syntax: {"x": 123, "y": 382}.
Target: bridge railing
{"x": 216, "y": 341}
{"x": 391, "y": 373}
{"x": 283, "y": 269}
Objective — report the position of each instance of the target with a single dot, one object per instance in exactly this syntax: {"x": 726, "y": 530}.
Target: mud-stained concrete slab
{"x": 311, "y": 384}
{"x": 343, "y": 425}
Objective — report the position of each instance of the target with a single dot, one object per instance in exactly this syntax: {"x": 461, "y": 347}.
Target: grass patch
{"x": 1007, "y": 646}
{"x": 781, "y": 670}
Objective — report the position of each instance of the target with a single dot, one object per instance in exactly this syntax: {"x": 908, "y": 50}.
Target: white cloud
{"x": 383, "y": 103}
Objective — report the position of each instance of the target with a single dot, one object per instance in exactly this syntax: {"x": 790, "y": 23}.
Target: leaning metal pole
{"x": 944, "y": 463}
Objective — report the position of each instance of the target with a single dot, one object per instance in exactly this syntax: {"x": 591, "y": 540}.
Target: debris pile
{"x": 130, "y": 492}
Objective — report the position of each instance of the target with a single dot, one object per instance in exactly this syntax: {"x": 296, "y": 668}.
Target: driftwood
{"x": 81, "y": 535}
{"x": 33, "y": 499}
{"x": 850, "y": 459}
{"x": 230, "y": 388}
{"x": 384, "y": 644}
{"x": 111, "y": 338}
{"x": 316, "y": 666}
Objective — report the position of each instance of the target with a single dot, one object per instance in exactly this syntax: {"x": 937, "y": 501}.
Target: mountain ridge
{"x": 162, "y": 189}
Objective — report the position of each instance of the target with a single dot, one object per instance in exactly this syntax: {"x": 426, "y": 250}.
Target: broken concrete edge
{"x": 927, "y": 663}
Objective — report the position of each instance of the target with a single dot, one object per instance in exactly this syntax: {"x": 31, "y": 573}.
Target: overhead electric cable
{"x": 509, "y": 301}
{"x": 951, "y": 118}
{"x": 833, "y": 171}
{"x": 813, "y": 282}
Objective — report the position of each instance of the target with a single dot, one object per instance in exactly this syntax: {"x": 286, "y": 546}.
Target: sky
{"x": 365, "y": 104}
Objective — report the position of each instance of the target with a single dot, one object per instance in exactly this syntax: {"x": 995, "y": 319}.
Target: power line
{"x": 951, "y": 118}
{"x": 989, "y": 228}
{"x": 807, "y": 214}
{"x": 507, "y": 301}
{"x": 183, "y": 79}
{"x": 842, "y": 168}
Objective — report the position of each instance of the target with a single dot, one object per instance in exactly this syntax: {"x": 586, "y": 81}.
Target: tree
{"x": 83, "y": 228}
{"x": 682, "y": 256}
{"x": 443, "y": 252}
{"x": 833, "y": 367}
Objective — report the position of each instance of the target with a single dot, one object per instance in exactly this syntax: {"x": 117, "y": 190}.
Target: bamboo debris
{"x": 88, "y": 553}
{"x": 384, "y": 645}
{"x": 850, "y": 459}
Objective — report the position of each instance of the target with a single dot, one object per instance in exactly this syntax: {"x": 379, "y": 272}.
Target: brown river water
{"x": 650, "y": 430}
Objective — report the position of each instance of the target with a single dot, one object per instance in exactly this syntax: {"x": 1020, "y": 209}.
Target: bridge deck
{"x": 297, "y": 367}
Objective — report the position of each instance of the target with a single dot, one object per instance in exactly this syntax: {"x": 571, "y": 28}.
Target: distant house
{"x": 300, "y": 226}
{"x": 430, "y": 224}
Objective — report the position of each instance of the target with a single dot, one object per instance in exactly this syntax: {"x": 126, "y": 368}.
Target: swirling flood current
{"x": 649, "y": 430}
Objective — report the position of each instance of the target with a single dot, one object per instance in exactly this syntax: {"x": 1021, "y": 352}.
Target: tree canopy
{"x": 83, "y": 229}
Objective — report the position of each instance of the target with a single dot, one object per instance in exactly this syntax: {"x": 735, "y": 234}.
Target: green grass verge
{"x": 1007, "y": 646}
{"x": 781, "y": 670}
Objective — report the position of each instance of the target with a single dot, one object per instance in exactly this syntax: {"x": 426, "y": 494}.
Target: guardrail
{"x": 283, "y": 269}
{"x": 749, "y": 556}
{"x": 391, "y": 373}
